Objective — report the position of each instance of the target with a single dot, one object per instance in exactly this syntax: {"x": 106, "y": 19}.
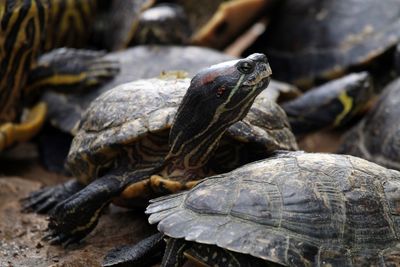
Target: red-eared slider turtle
{"x": 332, "y": 104}
{"x": 313, "y": 40}
{"x": 208, "y": 23}
{"x": 122, "y": 152}
{"x": 377, "y": 136}
{"x": 24, "y": 25}
{"x": 65, "y": 110}
{"x": 297, "y": 209}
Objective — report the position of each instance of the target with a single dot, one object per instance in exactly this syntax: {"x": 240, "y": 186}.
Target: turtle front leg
{"x": 75, "y": 217}
{"x": 11, "y": 133}
{"x": 45, "y": 199}
{"x": 68, "y": 69}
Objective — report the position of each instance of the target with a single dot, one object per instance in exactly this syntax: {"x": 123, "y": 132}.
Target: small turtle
{"x": 332, "y": 104}
{"x": 24, "y": 28}
{"x": 208, "y": 23}
{"x": 296, "y": 209}
{"x": 377, "y": 136}
{"x": 122, "y": 153}
{"x": 314, "y": 40}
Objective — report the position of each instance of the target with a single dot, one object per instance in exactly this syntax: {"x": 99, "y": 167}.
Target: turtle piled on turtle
{"x": 295, "y": 209}
{"x": 24, "y": 25}
{"x": 325, "y": 39}
{"x": 377, "y": 136}
{"x": 122, "y": 153}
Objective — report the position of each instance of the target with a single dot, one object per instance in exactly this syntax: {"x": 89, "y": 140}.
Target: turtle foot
{"x": 44, "y": 200}
{"x": 74, "y": 218}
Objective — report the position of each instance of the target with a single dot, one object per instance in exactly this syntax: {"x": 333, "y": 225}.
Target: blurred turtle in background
{"x": 130, "y": 148}
{"x": 318, "y": 40}
{"x": 27, "y": 29}
{"x": 377, "y": 136}
{"x": 333, "y": 104}
{"x": 212, "y": 23}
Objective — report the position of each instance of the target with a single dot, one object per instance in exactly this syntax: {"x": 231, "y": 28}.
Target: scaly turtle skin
{"x": 122, "y": 152}
{"x": 24, "y": 29}
{"x": 211, "y": 23}
{"x": 377, "y": 137}
{"x": 332, "y": 104}
{"x": 312, "y": 40}
{"x": 297, "y": 209}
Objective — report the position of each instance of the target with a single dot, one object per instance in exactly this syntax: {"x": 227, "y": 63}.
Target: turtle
{"x": 325, "y": 39}
{"x": 24, "y": 25}
{"x": 207, "y": 23}
{"x": 122, "y": 153}
{"x": 294, "y": 209}
{"x": 376, "y": 137}
{"x": 65, "y": 110}
{"x": 333, "y": 104}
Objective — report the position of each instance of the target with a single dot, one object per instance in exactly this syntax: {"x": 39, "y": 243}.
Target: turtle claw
{"x": 44, "y": 200}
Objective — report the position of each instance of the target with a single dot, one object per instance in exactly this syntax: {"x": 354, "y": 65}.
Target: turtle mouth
{"x": 262, "y": 78}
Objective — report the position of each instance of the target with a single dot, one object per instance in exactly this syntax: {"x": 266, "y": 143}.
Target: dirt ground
{"x": 21, "y": 233}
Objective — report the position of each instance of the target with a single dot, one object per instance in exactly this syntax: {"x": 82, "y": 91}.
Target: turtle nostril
{"x": 259, "y": 57}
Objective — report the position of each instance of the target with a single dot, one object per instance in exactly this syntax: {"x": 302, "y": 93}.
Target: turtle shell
{"x": 65, "y": 111}
{"x": 377, "y": 136}
{"x": 323, "y": 38}
{"x": 297, "y": 209}
{"x": 131, "y": 123}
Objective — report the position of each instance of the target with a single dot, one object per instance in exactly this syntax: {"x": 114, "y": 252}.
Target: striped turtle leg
{"x": 75, "y": 217}
{"x": 11, "y": 133}
{"x": 147, "y": 252}
{"x": 68, "y": 69}
{"x": 174, "y": 253}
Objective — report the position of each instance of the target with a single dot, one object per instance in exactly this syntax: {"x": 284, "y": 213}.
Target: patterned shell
{"x": 377, "y": 136}
{"x": 323, "y": 38}
{"x": 297, "y": 209}
{"x": 132, "y": 111}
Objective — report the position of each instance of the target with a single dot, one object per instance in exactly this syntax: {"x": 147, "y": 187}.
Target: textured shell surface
{"x": 129, "y": 112}
{"x": 377, "y": 136}
{"x": 296, "y": 209}
{"x": 325, "y": 37}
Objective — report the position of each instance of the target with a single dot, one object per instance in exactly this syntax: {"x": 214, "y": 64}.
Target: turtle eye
{"x": 246, "y": 67}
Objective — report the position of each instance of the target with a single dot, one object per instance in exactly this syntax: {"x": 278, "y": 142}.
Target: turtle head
{"x": 217, "y": 97}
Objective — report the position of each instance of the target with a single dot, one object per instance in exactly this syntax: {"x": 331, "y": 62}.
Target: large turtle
{"x": 296, "y": 209}
{"x": 332, "y": 104}
{"x": 313, "y": 40}
{"x": 122, "y": 153}
{"x": 25, "y": 27}
{"x": 377, "y": 136}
